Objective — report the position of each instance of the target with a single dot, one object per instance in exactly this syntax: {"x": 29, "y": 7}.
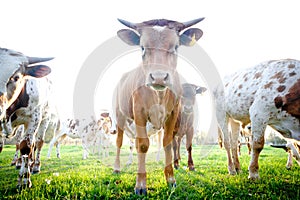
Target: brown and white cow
{"x": 185, "y": 123}
{"x": 86, "y": 129}
{"x": 23, "y": 100}
{"x": 266, "y": 94}
{"x": 151, "y": 92}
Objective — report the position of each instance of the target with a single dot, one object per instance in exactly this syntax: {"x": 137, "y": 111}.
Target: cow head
{"x": 15, "y": 69}
{"x": 159, "y": 41}
{"x": 188, "y": 98}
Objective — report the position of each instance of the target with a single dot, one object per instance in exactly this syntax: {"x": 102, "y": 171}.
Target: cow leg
{"x": 189, "y": 139}
{"x": 159, "y": 134}
{"x": 130, "y": 158}
{"x": 175, "y": 152}
{"x": 18, "y": 135}
{"x": 142, "y": 146}
{"x": 258, "y": 130}
{"x": 289, "y": 163}
{"x": 24, "y": 173}
{"x": 235, "y": 128}
{"x": 16, "y": 156}
{"x": 119, "y": 142}
{"x": 169, "y": 173}
{"x": 227, "y": 145}
{"x": 40, "y": 142}
{"x": 248, "y": 145}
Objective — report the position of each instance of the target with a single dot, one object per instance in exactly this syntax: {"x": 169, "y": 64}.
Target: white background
{"x": 237, "y": 34}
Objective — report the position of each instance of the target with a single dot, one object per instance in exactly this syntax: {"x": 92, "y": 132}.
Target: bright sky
{"x": 237, "y": 34}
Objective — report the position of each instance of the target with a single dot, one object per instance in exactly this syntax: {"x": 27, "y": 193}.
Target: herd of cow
{"x": 151, "y": 99}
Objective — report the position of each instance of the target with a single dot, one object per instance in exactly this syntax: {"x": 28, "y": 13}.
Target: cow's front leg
{"x": 142, "y": 145}
{"x": 258, "y": 141}
{"x": 24, "y": 173}
{"x": 169, "y": 173}
{"x": 37, "y": 158}
{"x": 189, "y": 139}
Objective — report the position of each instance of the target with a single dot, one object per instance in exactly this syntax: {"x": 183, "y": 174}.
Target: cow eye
{"x": 143, "y": 50}
{"x": 16, "y": 78}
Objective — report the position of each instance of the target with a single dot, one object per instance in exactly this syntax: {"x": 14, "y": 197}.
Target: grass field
{"x": 73, "y": 178}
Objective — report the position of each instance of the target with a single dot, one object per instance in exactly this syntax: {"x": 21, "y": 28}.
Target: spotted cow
{"x": 185, "y": 123}
{"x": 86, "y": 129}
{"x": 24, "y": 101}
{"x": 266, "y": 94}
{"x": 151, "y": 92}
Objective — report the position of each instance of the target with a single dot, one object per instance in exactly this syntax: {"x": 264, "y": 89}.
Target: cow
{"x": 151, "y": 92}
{"x": 266, "y": 94}
{"x": 23, "y": 101}
{"x": 85, "y": 129}
{"x": 185, "y": 123}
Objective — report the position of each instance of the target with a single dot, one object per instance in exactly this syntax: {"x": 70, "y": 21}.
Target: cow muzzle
{"x": 159, "y": 80}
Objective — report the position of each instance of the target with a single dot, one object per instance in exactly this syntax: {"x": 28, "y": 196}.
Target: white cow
{"x": 266, "y": 94}
{"x": 86, "y": 129}
{"x": 24, "y": 101}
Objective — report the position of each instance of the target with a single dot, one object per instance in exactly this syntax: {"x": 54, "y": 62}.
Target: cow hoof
{"x": 176, "y": 166}
{"x": 116, "y": 171}
{"x": 253, "y": 178}
{"x": 192, "y": 168}
{"x": 140, "y": 191}
{"x": 173, "y": 185}
{"x": 36, "y": 169}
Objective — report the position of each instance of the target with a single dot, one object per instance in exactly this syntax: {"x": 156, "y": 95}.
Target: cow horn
{"x": 127, "y": 23}
{"x": 192, "y": 22}
{"x": 33, "y": 60}
{"x": 282, "y": 146}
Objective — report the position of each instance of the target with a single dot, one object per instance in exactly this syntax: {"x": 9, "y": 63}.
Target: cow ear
{"x": 129, "y": 37}
{"x": 200, "y": 90}
{"x": 190, "y": 36}
{"x": 37, "y": 71}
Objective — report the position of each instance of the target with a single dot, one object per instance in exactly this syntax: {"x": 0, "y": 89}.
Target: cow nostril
{"x": 166, "y": 77}
{"x": 152, "y": 78}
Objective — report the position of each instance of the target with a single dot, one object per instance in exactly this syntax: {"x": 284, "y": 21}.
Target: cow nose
{"x": 159, "y": 78}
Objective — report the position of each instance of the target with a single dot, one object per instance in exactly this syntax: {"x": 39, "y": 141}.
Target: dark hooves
{"x": 172, "y": 185}
{"x": 140, "y": 191}
{"x": 192, "y": 168}
{"x": 117, "y": 172}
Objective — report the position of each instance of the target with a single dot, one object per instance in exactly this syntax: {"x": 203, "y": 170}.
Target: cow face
{"x": 159, "y": 41}
{"x": 189, "y": 96}
{"x": 15, "y": 69}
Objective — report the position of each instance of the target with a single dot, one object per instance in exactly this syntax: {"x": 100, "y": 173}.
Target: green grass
{"x": 73, "y": 178}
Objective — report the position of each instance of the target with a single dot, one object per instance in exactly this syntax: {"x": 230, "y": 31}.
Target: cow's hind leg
{"x": 235, "y": 128}
{"x": 258, "y": 130}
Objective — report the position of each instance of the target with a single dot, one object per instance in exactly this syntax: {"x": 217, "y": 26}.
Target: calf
{"x": 85, "y": 129}
{"x": 266, "y": 94}
{"x": 23, "y": 101}
{"x": 151, "y": 92}
{"x": 185, "y": 123}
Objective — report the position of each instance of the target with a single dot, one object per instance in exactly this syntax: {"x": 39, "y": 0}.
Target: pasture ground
{"x": 73, "y": 178}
